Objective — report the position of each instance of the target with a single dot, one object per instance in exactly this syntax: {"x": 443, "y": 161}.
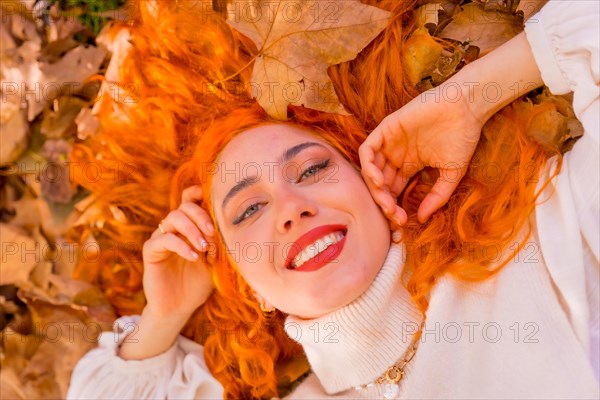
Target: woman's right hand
{"x": 175, "y": 281}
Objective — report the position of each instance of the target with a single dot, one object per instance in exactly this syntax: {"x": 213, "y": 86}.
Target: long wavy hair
{"x": 179, "y": 122}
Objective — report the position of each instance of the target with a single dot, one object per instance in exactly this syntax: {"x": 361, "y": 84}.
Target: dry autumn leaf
{"x": 549, "y": 120}
{"x": 421, "y": 52}
{"x": 486, "y": 29}
{"x": 427, "y": 16}
{"x": 15, "y": 266}
{"x": 87, "y": 124}
{"x": 297, "y": 41}
{"x": 13, "y": 133}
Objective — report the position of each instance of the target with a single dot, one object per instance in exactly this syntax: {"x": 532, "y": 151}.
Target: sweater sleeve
{"x": 564, "y": 38}
{"x": 178, "y": 373}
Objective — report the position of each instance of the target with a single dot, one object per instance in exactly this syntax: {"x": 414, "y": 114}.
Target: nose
{"x": 294, "y": 206}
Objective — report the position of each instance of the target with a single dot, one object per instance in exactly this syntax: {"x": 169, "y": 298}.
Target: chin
{"x": 348, "y": 286}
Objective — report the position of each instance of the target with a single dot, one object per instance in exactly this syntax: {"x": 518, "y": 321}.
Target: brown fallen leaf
{"x": 484, "y": 29}
{"x": 19, "y": 68}
{"x": 421, "y": 53}
{"x": 17, "y": 263}
{"x": 66, "y": 259}
{"x": 87, "y": 124}
{"x": 42, "y": 354}
{"x": 10, "y": 387}
{"x": 297, "y": 44}
{"x": 7, "y": 42}
{"x": 57, "y": 183}
{"x": 115, "y": 41}
{"x": 14, "y": 132}
{"x": 74, "y": 68}
{"x": 89, "y": 213}
{"x": 60, "y": 26}
{"x": 22, "y": 27}
{"x": 41, "y": 272}
{"x": 60, "y": 122}
{"x": 427, "y": 16}
{"x": 499, "y": 5}
{"x": 55, "y": 50}
{"x": 550, "y": 120}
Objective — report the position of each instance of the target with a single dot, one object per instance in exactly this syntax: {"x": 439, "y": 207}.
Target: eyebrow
{"x": 250, "y": 180}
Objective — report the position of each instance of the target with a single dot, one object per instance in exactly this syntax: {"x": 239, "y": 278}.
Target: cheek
{"x": 361, "y": 197}
{"x": 247, "y": 251}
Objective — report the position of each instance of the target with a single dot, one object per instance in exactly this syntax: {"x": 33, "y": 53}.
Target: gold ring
{"x": 161, "y": 227}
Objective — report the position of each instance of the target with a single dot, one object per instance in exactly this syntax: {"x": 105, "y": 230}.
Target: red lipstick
{"x": 323, "y": 258}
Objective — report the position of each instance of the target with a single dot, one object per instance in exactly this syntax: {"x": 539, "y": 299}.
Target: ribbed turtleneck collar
{"x": 360, "y": 341}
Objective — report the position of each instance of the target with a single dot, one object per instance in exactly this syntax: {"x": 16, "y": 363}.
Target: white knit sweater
{"x": 530, "y": 332}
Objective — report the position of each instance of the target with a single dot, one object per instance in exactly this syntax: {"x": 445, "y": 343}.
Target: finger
{"x": 383, "y": 198}
{"x": 191, "y": 194}
{"x": 437, "y": 197}
{"x": 399, "y": 216}
{"x": 199, "y": 216}
{"x": 399, "y": 184}
{"x": 178, "y": 222}
{"x": 371, "y": 160}
{"x": 389, "y": 175}
{"x": 375, "y": 169}
{"x": 158, "y": 248}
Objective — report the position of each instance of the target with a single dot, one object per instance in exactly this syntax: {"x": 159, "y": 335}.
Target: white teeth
{"x": 316, "y": 248}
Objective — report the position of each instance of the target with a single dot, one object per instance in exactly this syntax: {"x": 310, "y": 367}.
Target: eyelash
{"x": 315, "y": 168}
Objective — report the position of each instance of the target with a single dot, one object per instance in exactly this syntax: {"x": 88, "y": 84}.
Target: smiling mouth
{"x": 319, "y": 251}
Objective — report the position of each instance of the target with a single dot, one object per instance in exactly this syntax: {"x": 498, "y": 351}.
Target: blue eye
{"x": 313, "y": 169}
{"x": 248, "y": 212}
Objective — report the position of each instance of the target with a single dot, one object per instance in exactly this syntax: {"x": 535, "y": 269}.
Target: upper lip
{"x": 309, "y": 238}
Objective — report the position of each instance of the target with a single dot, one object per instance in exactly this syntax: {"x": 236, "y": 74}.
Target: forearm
{"x": 500, "y": 77}
{"x": 151, "y": 337}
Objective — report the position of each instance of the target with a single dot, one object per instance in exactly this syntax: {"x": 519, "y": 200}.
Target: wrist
{"x": 173, "y": 318}
{"x": 153, "y": 335}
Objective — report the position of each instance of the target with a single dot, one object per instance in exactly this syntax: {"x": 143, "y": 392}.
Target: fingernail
{"x": 376, "y": 182}
{"x": 194, "y": 255}
{"x": 201, "y": 242}
{"x": 386, "y": 211}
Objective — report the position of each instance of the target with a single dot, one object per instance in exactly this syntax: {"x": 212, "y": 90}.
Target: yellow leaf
{"x": 421, "y": 53}
{"x": 297, "y": 41}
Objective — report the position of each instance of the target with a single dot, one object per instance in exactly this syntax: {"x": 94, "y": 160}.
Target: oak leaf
{"x": 297, "y": 41}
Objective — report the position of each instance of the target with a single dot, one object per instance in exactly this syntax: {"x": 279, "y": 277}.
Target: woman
{"x": 356, "y": 308}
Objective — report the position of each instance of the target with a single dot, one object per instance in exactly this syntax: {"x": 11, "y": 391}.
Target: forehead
{"x": 264, "y": 143}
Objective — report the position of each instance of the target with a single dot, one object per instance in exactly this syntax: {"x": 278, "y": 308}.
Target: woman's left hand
{"x": 429, "y": 131}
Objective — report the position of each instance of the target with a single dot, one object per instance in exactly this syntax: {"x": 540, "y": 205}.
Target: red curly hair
{"x": 180, "y": 121}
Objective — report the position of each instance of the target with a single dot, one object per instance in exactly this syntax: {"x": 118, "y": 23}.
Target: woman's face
{"x": 298, "y": 220}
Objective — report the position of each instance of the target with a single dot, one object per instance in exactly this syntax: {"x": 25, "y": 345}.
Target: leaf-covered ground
{"x": 53, "y": 57}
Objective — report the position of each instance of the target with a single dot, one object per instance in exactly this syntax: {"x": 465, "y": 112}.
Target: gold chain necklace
{"x": 394, "y": 374}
